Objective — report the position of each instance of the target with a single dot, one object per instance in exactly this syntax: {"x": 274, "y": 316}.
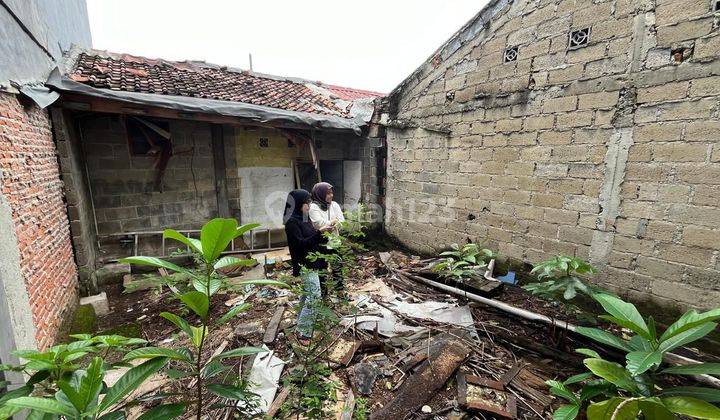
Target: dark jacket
{"x": 303, "y": 239}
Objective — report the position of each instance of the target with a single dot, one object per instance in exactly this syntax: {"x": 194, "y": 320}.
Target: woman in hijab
{"x": 303, "y": 239}
{"x": 323, "y": 210}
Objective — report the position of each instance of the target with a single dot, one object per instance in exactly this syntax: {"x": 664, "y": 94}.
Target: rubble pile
{"x": 400, "y": 347}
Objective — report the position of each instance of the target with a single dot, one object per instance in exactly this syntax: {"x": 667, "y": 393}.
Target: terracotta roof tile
{"x": 138, "y": 74}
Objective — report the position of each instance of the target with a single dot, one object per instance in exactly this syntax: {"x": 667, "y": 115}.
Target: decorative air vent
{"x": 579, "y": 38}
{"x": 263, "y": 142}
{"x": 511, "y": 54}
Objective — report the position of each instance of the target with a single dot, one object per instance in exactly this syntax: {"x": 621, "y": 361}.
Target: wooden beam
{"x": 218, "y": 152}
{"x": 272, "y": 328}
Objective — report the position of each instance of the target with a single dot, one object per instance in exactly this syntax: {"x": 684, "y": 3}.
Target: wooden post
{"x": 218, "y": 152}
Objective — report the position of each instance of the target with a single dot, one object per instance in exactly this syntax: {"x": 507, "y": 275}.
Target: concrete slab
{"x": 99, "y": 302}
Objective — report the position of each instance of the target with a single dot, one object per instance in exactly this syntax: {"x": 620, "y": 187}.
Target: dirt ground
{"x": 502, "y": 343}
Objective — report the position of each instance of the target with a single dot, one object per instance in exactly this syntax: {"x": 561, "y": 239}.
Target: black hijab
{"x": 294, "y": 203}
{"x": 319, "y": 194}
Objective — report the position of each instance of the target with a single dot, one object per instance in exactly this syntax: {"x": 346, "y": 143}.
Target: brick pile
{"x": 31, "y": 183}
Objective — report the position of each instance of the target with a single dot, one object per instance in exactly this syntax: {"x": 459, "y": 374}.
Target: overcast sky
{"x": 369, "y": 44}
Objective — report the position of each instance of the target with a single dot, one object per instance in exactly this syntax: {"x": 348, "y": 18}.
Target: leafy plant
{"x": 343, "y": 244}
{"x": 563, "y": 281}
{"x": 215, "y": 237}
{"x": 636, "y": 383}
{"x": 471, "y": 253}
{"x": 60, "y": 385}
{"x": 361, "y": 409}
{"x": 463, "y": 262}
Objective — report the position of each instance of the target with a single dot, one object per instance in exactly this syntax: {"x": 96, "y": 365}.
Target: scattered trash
{"x": 343, "y": 351}
{"x": 263, "y": 378}
{"x": 485, "y": 395}
{"x": 364, "y": 376}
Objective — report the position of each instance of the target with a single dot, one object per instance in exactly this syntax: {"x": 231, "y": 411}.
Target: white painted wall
{"x": 263, "y": 192}
{"x": 352, "y": 177}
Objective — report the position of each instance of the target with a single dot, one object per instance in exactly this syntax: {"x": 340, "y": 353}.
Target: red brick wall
{"x": 31, "y": 183}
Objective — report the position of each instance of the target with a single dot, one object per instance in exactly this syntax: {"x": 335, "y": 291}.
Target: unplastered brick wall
{"x": 123, "y": 185}
{"x": 31, "y": 183}
{"x": 609, "y": 151}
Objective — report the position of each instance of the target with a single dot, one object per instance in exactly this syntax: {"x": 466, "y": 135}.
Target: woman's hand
{"x": 327, "y": 228}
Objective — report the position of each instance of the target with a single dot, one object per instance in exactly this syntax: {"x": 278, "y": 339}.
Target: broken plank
{"x": 272, "y": 328}
{"x": 423, "y": 385}
{"x": 279, "y": 401}
{"x": 348, "y": 408}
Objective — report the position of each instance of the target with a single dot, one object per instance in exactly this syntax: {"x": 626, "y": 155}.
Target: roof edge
{"x": 246, "y": 111}
{"x": 70, "y": 59}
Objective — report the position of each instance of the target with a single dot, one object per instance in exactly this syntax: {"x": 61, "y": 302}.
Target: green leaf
{"x": 155, "y": 262}
{"x": 604, "y": 337}
{"x": 214, "y": 368}
{"x": 638, "y": 362}
{"x": 232, "y": 313}
{"x": 44, "y": 405}
{"x": 177, "y": 374}
{"x": 6, "y": 412}
{"x": 559, "y": 389}
{"x": 23, "y": 391}
{"x": 216, "y": 236}
{"x": 687, "y": 336}
{"x": 624, "y": 314}
{"x": 91, "y": 383}
{"x": 690, "y": 319}
{"x": 130, "y": 381}
{"x": 179, "y": 322}
{"x": 201, "y": 285}
{"x": 246, "y": 228}
{"x": 705, "y": 394}
{"x": 640, "y": 343}
{"x": 164, "y": 412}
{"x": 596, "y": 388}
{"x": 694, "y": 407}
{"x": 198, "y": 302}
{"x": 228, "y": 391}
{"x": 71, "y": 395}
{"x": 242, "y": 351}
{"x": 604, "y": 409}
{"x": 566, "y": 412}
{"x": 697, "y": 369}
{"x": 228, "y": 261}
{"x": 198, "y": 335}
{"x": 153, "y": 352}
{"x": 612, "y": 372}
{"x": 653, "y": 409}
{"x": 588, "y": 352}
{"x": 194, "y": 244}
{"x": 578, "y": 378}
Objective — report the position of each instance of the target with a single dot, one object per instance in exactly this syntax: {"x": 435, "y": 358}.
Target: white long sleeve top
{"x": 320, "y": 217}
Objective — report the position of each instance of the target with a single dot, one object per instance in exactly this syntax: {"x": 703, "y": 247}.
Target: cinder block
{"x": 98, "y": 302}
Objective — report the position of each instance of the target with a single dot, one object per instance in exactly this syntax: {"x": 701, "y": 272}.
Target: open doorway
{"x": 344, "y": 175}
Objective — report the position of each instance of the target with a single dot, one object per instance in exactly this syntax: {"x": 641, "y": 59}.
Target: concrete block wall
{"x": 123, "y": 185}
{"x": 31, "y": 184}
{"x": 610, "y": 152}
{"x": 77, "y": 198}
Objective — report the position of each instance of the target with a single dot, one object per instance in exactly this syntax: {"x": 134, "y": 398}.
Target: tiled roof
{"x": 350, "y": 94}
{"x": 192, "y": 79}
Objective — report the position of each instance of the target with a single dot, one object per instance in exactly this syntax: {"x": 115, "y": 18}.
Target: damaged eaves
{"x": 248, "y": 112}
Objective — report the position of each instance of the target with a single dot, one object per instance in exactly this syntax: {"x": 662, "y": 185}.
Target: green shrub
{"x": 632, "y": 389}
